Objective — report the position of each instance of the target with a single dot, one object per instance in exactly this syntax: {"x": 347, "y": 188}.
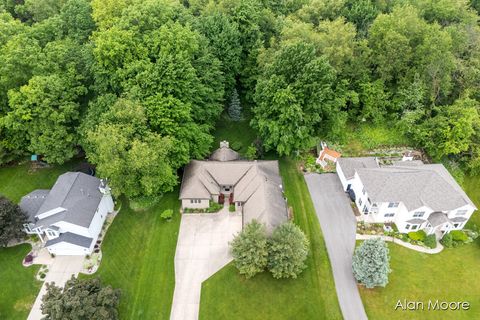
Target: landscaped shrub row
{"x": 458, "y": 237}
{"x": 419, "y": 235}
{"x": 214, "y": 207}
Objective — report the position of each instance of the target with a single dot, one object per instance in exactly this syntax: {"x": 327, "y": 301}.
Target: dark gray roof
{"x": 416, "y": 221}
{"x": 416, "y": 186}
{"x": 78, "y": 194}
{"x": 32, "y": 202}
{"x": 437, "y": 218}
{"x": 349, "y": 165}
{"x": 459, "y": 219}
{"x": 224, "y": 153}
{"x": 71, "y": 238}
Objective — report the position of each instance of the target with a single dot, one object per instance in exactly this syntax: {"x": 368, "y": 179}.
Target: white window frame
{"x": 407, "y": 227}
{"x": 389, "y": 215}
{"x": 393, "y": 204}
{"x": 414, "y": 226}
{"x": 360, "y": 201}
{"x": 418, "y": 214}
{"x": 461, "y": 212}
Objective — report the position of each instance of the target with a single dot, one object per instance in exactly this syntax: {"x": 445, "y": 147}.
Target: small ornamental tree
{"x": 251, "y": 153}
{"x": 80, "y": 299}
{"x": 235, "y": 109}
{"x": 371, "y": 264}
{"x": 288, "y": 250}
{"x": 250, "y": 249}
{"x": 12, "y": 219}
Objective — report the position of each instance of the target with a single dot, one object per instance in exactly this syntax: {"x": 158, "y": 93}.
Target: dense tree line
{"x": 139, "y": 85}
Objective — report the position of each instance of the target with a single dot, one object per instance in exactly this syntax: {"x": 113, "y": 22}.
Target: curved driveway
{"x": 338, "y": 226}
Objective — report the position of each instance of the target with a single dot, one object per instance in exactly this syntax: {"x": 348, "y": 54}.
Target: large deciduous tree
{"x": 80, "y": 300}
{"x": 297, "y": 97}
{"x": 371, "y": 264}
{"x": 12, "y": 219}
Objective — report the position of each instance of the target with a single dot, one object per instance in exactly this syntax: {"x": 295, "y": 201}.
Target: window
{"x": 363, "y": 191}
{"x": 195, "y": 200}
{"x": 456, "y": 225}
{"x": 418, "y": 214}
{"x": 461, "y": 212}
{"x": 414, "y": 227}
{"x": 407, "y": 226}
{"x": 51, "y": 233}
{"x": 389, "y": 215}
{"x": 393, "y": 204}
{"x": 360, "y": 201}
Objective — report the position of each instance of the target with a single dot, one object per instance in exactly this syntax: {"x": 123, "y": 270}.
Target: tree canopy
{"x": 12, "y": 219}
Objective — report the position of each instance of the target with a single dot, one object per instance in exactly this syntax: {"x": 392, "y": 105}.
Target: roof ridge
{"x": 70, "y": 188}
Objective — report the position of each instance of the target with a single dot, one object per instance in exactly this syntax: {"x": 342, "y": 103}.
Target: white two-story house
{"x": 411, "y": 194}
{"x": 68, "y": 218}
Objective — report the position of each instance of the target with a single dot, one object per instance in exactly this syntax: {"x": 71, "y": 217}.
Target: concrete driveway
{"x": 339, "y": 227}
{"x": 202, "y": 250}
{"x": 60, "y": 270}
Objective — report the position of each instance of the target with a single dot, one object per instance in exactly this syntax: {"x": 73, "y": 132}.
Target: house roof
{"x": 76, "y": 192}
{"x": 71, "y": 238}
{"x": 31, "y": 202}
{"x": 415, "y": 185}
{"x": 256, "y": 183}
{"x": 330, "y": 152}
{"x": 349, "y": 165}
{"x": 224, "y": 153}
{"x": 437, "y": 218}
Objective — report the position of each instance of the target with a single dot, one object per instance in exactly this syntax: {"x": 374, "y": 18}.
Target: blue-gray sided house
{"x": 68, "y": 218}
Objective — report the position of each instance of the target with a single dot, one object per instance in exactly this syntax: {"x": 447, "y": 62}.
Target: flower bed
{"x": 213, "y": 208}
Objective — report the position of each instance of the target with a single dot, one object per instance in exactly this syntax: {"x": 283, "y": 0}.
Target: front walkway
{"x": 60, "y": 269}
{"x": 402, "y": 243}
{"x": 202, "y": 250}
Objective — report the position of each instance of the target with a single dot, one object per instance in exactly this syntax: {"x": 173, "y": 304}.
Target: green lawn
{"x": 18, "y": 287}
{"x": 16, "y": 181}
{"x": 228, "y": 295}
{"x": 138, "y": 257}
{"x": 234, "y": 132}
{"x": 451, "y": 275}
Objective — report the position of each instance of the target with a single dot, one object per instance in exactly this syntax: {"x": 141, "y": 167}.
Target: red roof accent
{"x": 330, "y": 152}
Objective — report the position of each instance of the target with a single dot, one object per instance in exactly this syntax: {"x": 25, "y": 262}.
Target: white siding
{"x": 105, "y": 206}
{"x": 73, "y": 228}
{"x": 340, "y": 174}
{"x": 204, "y": 203}
{"x": 68, "y": 249}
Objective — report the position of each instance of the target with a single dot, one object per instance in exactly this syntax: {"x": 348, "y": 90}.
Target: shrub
{"x": 405, "y": 237}
{"x": 431, "y": 241}
{"x": 250, "y": 249}
{"x": 419, "y": 235}
{"x": 231, "y": 208}
{"x": 236, "y": 145}
{"x": 42, "y": 275}
{"x": 371, "y": 263}
{"x": 214, "y": 207}
{"x": 28, "y": 258}
{"x": 12, "y": 219}
{"x": 447, "y": 240}
{"x": 167, "y": 214}
{"x": 251, "y": 153}
{"x": 459, "y": 235}
{"x": 288, "y": 250}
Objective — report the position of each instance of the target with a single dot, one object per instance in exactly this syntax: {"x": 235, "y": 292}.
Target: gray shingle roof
{"x": 349, "y": 165}
{"x": 77, "y": 193}
{"x": 437, "y": 218}
{"x": 256, "y": 183}
{"x": 224, "y": 153}
{"x": 32, "y": 202}
{"x": 71, "y": 238}
{"x": 416, "y": 186}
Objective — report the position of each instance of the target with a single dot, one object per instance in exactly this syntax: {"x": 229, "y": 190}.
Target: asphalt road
{"x": 338, "y": 226}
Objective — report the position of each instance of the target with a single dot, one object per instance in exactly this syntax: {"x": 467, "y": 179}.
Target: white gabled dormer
{"x": 50, "y": 213}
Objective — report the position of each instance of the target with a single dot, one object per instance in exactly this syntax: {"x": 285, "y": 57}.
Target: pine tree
{"x": 371, "y": 264}
{"x": 235, "y": 109}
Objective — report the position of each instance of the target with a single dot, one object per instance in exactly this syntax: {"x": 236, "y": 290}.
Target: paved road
{"x": 61, "y": 269}
{"x": 202, "y": 250}
{"x": 338, "y": 226}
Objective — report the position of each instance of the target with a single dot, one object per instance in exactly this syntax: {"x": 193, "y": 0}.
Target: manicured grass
{"x": 451, "y": 275}
{"x": 138, "y": 257}
{"x": 228, "y": 295}
{"x": 16, "y": 181}
{"x": 18, "y": 287}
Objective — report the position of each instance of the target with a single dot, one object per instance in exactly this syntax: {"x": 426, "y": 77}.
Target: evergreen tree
{"x": 371, "y": 263}
{"x": 250, "y": 249}
{"x": 288, "y": 250}
{"x": 235, "y": 109}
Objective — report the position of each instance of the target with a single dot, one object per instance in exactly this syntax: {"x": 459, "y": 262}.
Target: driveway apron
{"x": 339, "y": 227}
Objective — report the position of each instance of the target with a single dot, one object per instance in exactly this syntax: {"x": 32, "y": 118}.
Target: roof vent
{"x": 224, "y": 144}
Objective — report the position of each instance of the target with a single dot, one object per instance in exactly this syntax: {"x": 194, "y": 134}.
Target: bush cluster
{"x": 419, "y": 235}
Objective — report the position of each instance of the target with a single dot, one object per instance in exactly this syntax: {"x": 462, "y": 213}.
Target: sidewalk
{"x": 403, "y": 244}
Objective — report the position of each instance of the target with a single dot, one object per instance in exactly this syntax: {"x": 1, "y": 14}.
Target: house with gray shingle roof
{"x": 69, "y": 217}
{"x": 255, "y": 187}
{"x": 411, "y": 194}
